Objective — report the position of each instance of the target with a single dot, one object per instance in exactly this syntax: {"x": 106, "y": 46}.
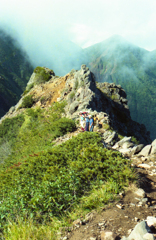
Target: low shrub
{"x": 135, "y": 140}
{"x": 27, "y": 102}
{"x": 41, "y": 75}
{"x": 43, "y": 99}
{"x": 62, "y": 126}
{"x": 53, "y": 180}
{"x": 9, "y": 127}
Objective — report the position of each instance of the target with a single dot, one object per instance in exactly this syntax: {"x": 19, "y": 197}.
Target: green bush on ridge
{"x": 27, "y": 102}
{"x": 41, "y": 75}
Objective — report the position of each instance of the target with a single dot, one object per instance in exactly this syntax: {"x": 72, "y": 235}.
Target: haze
{"x": 44, "y": 28}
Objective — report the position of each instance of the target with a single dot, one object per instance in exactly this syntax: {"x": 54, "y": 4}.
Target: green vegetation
{"x": 47, "y": 183}
{"x": 115, "y": 60}
{"x": 41, "y": 75}
{"x": 106, "y": 126}
{"x": 28, "y": 88}
{"x": 114, "y": 97}
{"x": 43, "y": 99}
{"x": 135, "y": 140}
{"x": 15, "y": 71}
{"x": 41, "y": 181}
{"x": 72, "y": 95}
{"x": 26, "y": 229}
{"x": 76, "y": 84}
{"x": 27, "y": 102}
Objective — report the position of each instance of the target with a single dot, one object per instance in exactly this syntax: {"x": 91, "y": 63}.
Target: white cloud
{"x": 43, "y": 25}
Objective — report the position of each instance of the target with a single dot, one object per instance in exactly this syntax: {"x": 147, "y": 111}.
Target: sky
{"x": 84, "y": 22}
{"x": 39, "y": 24}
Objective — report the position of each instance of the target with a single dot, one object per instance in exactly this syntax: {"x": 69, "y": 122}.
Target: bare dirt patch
{"x": 51, "y": 91}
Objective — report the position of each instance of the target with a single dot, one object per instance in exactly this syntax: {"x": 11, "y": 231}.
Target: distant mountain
{"x": 59, "y": 55}
{"x": 15, "y": 71}
{"x": 116, "y": 60}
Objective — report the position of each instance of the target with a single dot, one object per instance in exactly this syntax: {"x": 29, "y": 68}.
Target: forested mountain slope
{"x": 116, "y": 60}
{"x": 15, "y": 70}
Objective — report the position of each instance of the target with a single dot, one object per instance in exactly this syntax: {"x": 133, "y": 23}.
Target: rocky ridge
{"x": 81, "y": 92}
{"x": 108, "y": 102}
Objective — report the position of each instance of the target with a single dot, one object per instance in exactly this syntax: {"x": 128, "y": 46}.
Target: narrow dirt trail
{"x": 120, "y": 221}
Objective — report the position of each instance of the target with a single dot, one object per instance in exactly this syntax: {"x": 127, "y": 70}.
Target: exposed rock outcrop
{"x": 106, "y": 100}
{"x": 103, "y": 99}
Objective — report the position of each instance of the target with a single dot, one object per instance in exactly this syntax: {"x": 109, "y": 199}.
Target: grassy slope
{"x": 115, "y": 60}
{"x": 40, "y": 181}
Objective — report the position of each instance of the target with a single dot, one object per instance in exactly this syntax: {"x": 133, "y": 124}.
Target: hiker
{"x": 95, "y": 120}
{"x": 82, "y": 121}
{"x": 91, "y": 123}
{"x": 87, "y": 122}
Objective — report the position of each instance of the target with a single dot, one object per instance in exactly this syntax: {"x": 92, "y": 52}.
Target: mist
{"x": 49, "y": 49}
{"x": 53, "y": 33}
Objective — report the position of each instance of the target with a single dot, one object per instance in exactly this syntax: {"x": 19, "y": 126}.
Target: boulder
{"x": 109, "y": 136}
{"x": 153, "y": 150}
{"x": 144, "y": 165}
{"x": 126, "y": 152}
{"x": 77, "y": 222}
{"x": 139, "y": 232}
{"x": 107, "y": 235}
{"x": 140, "y": 193}
{"x": 127, "y": 145}
{"x": 145, "y": 151}
{"x": 137, "y": 149}
{"x": 151, "y": 221}
{"x": 122, "y": 142}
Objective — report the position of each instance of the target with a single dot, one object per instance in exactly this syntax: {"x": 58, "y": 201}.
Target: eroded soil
{"x": 120, "y": 221}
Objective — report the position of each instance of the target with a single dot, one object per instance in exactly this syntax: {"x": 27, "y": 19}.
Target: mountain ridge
{"x": 81, "y": 92}
{"x": 50, "y": 169}
{"x": 134, "y": 69}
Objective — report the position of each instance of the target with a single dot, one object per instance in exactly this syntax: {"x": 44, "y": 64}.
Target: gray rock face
{"x": 153, "y": 150}
{"x": 125, "y": 141}
{"x": 139, "y": 232}
{"x": 145, "y": 151}
{"x": 108, "y": 100}
{"x": 105, "y": 98}
{"x": 73, "y": 107}
{"x": 109, "y": 136}
{"x": 137, "y": 149}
